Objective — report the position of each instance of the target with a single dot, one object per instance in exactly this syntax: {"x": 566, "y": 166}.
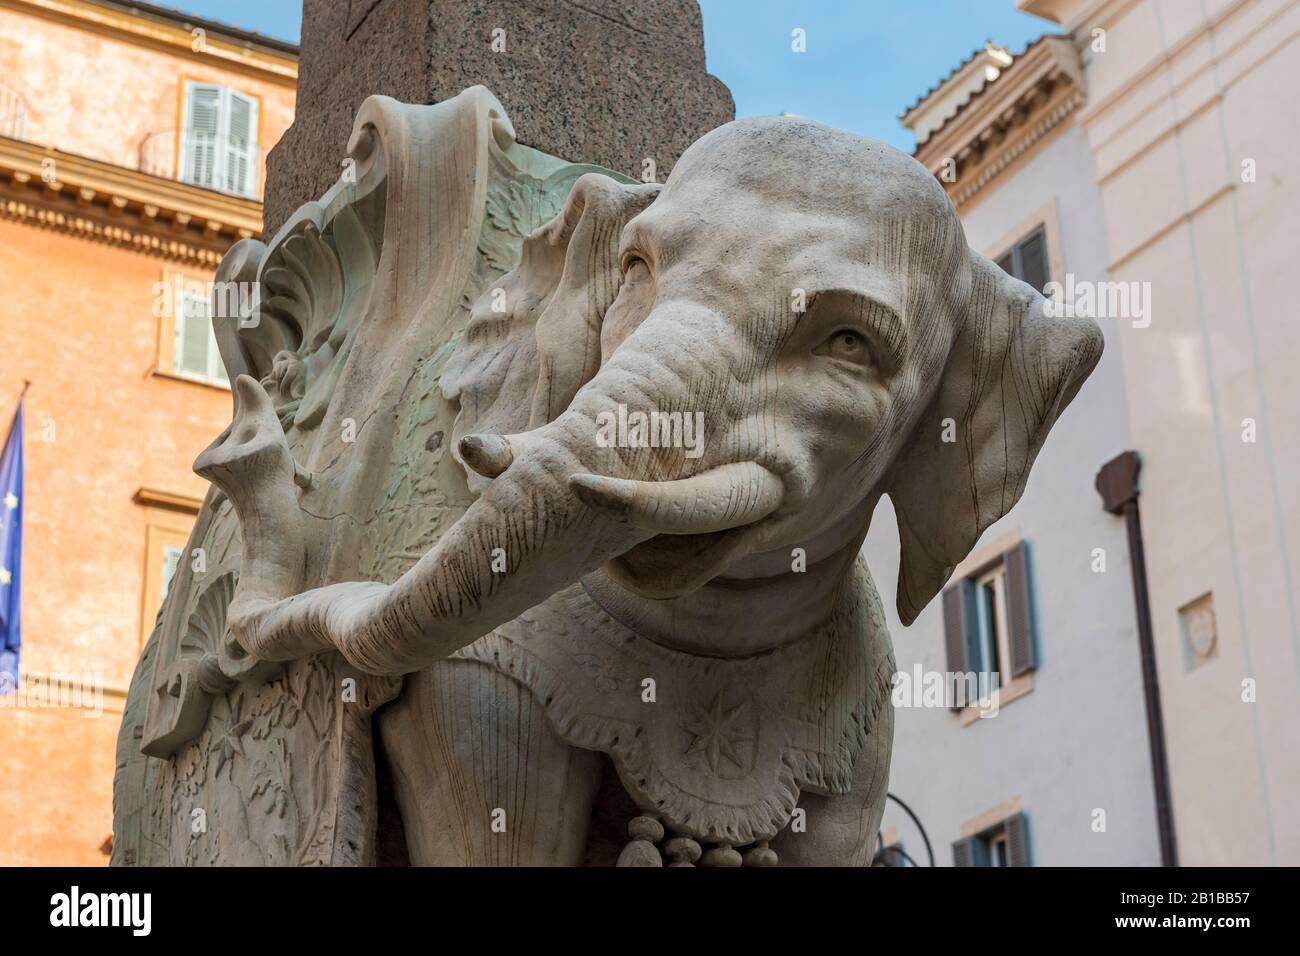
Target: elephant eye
{"x": 633, "y": 266}
{"x": 847, "y": 346}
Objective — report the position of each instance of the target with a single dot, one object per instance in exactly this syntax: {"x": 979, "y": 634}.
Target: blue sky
{"x": 866, "y": 59}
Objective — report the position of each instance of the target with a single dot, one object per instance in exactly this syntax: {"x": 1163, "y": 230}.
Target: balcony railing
{"x": 157, "y": 154}
{"x": 13, "y": 112}
{"x": 213, "y": 162}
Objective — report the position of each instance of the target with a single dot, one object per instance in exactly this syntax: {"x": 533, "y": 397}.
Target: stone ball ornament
{"x": 543, "y": 495}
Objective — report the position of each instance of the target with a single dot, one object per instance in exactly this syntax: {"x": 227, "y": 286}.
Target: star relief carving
{"x": 720, "y": 732}
{"x": 230, "y": 742}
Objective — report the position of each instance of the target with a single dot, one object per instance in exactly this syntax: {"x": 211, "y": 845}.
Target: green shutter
{"x": 1018, "y": 840}
{"x": 1033, "y": 267}
{"x": 971, "y": 851}
{"x": 959, "y": 627}
{"x": 1020, "y": 611}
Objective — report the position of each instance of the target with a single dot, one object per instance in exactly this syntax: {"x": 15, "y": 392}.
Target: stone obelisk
{"x": 610, "y": 82}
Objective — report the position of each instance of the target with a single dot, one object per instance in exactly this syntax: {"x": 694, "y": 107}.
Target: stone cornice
{"x": 171, "y": 32}
{"x": 1032, "y": 97}
{"x": 107, "y": 203}
{"x": 154, "y": 498}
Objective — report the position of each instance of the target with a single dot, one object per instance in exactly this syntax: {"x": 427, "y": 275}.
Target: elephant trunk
{"x": 549, "y": 517}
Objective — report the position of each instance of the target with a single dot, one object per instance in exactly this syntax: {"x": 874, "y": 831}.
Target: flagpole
{"x": 27, "y": 383}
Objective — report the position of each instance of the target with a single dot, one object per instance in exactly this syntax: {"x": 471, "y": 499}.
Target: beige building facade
{"x": 1157, "y": 146}
{"x": 132, "y": 153}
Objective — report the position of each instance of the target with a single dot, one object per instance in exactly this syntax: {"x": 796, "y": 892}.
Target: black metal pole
{"x": 917, "y": 820}
{"x": 1117, "y": 483}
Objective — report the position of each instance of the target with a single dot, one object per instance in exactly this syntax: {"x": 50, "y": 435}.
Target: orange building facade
{"x": 132, "y": 154}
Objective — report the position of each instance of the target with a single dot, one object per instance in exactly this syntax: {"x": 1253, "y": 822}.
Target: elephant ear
{"x": 584, "y": 277}
{"x": 533, "y": 336}
{"x": 1012, "y": 370}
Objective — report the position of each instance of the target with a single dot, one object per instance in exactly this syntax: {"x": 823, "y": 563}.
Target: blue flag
{"x": 11, "y": 552}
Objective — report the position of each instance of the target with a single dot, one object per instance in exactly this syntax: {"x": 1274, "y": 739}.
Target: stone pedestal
{"x": 598, "y": 81}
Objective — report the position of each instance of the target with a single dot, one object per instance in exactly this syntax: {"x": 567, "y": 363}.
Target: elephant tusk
{"x": 487, "y": 454}
{"x": 725, "y": 497}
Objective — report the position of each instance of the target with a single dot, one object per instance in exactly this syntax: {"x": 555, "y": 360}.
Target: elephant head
{"x": 806, "y": 296}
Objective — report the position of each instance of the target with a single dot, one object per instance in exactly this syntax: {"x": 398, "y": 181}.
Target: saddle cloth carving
{"x": 726, "y": 746}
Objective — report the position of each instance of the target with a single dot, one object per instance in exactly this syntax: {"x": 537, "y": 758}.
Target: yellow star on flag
{"x": 11, "y": 501}
{"x": 5, "y": 576}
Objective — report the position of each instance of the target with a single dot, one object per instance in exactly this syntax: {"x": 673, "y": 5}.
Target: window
{"x": 989, "y": 652}
{"x": 1027, "y": 259}
{"x": 169, "y": 518}
{"x": 171, "y": 558}
{"x": 164, "y": 550}
{"x": 219, "y": 139}
{"x": 989, "y": 626}
{"x": 892, "y": 854}
{"x": 13, "y": 112}
{"x": 1200, "y": 632}
{"x": 194, "y": 353}
{"x": 1005, "y": 843}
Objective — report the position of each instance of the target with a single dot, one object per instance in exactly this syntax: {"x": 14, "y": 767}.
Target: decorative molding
{"x": 1125, "y": 258}
{"x": 108, "y": 203}
{"x": 967, "y": 191}
{"x": 1033, "y": 96}
{"x": 1016, "y": 688}
{"x": 154, "y": 498}
{"x": 272, "y": 60}
{"x": 1165, "y": 57}
{"x": 990, "y": 818}
{"x": 949, "y": 97}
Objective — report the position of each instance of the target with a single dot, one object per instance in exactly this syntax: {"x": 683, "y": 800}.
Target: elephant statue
{"x": 648, "y": 636}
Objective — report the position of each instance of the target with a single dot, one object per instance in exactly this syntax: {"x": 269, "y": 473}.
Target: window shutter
{"x": 1020, "y": 611}
{"x": 171, "y": 560}
{"x": 193, "y": 336}
{"x": 1018, "y": 840}
{"x": 240, "y": 144}
{"x": 200, "y": 136}
{"x": 959, "y": 626}
{"x": 218, "y": 370}
{"x": 972, "y": 851}
{"x": 1033, "y": 260}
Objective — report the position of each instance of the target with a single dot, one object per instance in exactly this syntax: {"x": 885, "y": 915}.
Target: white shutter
{"x": 196, "y": 353}
{"x": 240, "y": 159}
{"x": 194, "y": 339}
{"x": 201, "y": 134}
{"x": 171, "y": 560}
{"x": 217, "y": 368}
